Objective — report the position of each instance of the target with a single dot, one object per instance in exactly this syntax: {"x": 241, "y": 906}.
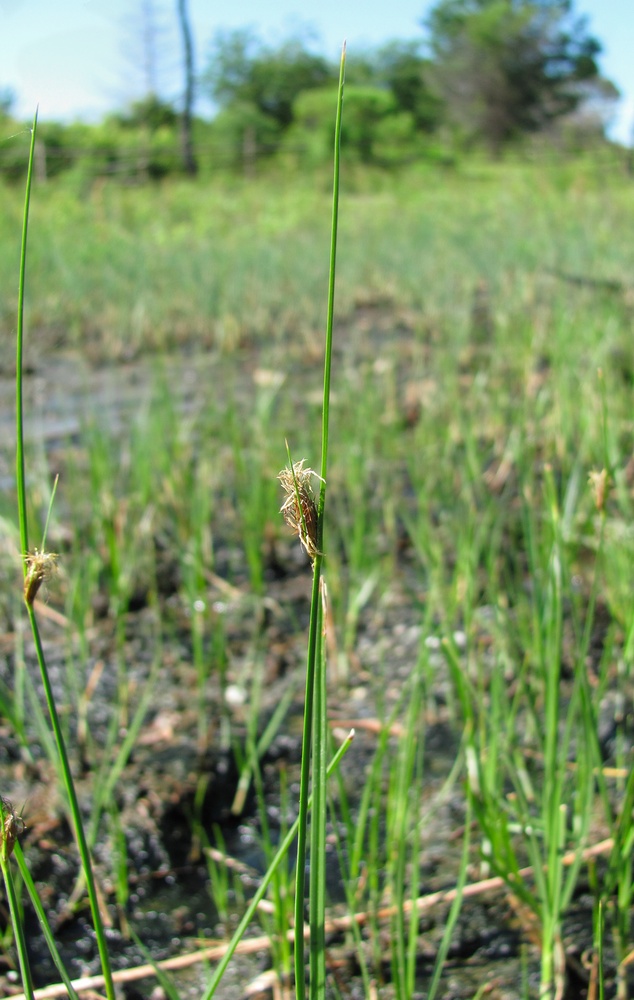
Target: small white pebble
{"x": 382, "y": 365}
{"x": 235, "y": 695}
{"x": 358, "y": 694}
{"x": 460, "y": 639}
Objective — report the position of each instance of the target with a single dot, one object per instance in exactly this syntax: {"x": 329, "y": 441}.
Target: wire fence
{"x": 143, "y": 160}
{"x": 152, "y": 159}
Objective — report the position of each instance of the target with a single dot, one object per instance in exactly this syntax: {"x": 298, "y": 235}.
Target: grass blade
{"x": 36, "y": 567}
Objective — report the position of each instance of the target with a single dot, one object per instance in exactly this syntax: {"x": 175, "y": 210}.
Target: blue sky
{"x": 79, "y": 58}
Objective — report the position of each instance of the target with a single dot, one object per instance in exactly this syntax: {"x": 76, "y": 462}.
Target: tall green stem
{"x": 20, "y": 476}
{"x": 259, "y": 895}
{"x": 30, "y": 592}
{"x": 317, "y": 984}
{"x": 8, "y": 837}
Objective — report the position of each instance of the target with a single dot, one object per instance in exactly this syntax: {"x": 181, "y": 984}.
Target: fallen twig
{"x": 250, "y": 945}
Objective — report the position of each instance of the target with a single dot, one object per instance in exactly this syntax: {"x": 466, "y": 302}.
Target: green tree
{"x": 240, "y": 135}
{"x": 150, "y": 112}
{"x": 374, "y": 131}
{"x": 401, "y": 68}
{"x": 242, "y": 70}
{"x": 146, "y": 138}
{"x": 506, "y": 67}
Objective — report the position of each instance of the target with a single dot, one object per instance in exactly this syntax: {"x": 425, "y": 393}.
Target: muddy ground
{"x": 172, "y": 776}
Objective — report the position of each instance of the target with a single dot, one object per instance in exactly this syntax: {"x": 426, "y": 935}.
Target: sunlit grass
{"x": 243, "y": 263}
{"x": 467, "y": 416}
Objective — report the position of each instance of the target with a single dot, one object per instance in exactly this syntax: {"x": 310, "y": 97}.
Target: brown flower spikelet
{"x": 11, "y": 827}
{"x": 299, "y": 508}
{"x": 599, "y": 483}
{"x": 40, "y": 566}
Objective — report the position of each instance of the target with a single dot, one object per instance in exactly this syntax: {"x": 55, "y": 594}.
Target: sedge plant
{"x": 536, "y": 812}
{"x": 280, "y": 855}
{"x": 38, "y": 566}
{"x": 307, "y": 518}
{"x": 11, "y": 826}
{"x": 617, "y": 887}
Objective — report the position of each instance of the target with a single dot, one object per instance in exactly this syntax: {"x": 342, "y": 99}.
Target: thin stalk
{"x": 8, "y": 838}
{"x": 43, "y": 921}
{"x": 20, "y": 476}
{"x": 255, "y": 902}
{"x": 402, "y": 828}
{"x": 49, "y": 512}
{"x": 307, "y": 737}
{"x": 553, "y": 809}
{"x": 18, "y": 929}
{"x": 80, "y": 836}
{"x": 318, "y": 826}
{"x": 331, "y": 285}
{"x": 600, "y": 931}
{"x": 31, "y": 584}
{"x": 456, "y": 906}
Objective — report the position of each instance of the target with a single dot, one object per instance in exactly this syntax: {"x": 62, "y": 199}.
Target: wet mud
{"x": 175, "y": 788}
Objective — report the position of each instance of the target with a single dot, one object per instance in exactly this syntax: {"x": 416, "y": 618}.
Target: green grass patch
{"x": 478, "y": 533}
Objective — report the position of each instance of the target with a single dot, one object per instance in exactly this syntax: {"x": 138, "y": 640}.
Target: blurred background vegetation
{"x": 484, "y": 74}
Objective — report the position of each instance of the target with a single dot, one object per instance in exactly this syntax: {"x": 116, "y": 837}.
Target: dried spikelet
{"x": 40, "y": 566}
{"x": 599, "y": 482}
{"x": 299, "y": 507}
{"x": 11, "y": 827}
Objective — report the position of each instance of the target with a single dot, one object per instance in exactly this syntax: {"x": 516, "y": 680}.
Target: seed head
{"x": 599, "y": 483}
{"x": 11, "y": 827}
{"x": 299, "y": 508}
{"x": 40, "y": 566}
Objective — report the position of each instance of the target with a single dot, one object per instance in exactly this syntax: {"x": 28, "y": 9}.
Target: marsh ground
{"x": 474, "y": 315}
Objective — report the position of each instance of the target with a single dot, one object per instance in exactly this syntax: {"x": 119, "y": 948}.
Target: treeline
{"x": 489, "y": 73}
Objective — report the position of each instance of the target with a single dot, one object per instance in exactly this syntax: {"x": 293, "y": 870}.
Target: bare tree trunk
{"x": 187, "y": 144}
